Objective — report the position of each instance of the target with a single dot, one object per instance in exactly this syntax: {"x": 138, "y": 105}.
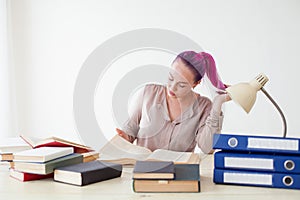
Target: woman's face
{"x": 181, "y": 80}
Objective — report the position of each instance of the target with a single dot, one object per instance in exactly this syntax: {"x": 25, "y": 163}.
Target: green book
{"x": 48, "y": 167}
{"x": 187, "y": 179}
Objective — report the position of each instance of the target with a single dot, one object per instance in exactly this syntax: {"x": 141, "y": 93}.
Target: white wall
{"x": 52, "y": 39}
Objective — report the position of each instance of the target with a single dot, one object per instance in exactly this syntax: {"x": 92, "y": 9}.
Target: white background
{"x": 50, "y": 40}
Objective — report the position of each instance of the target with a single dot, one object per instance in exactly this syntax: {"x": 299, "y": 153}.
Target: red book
{"x": 55, "y": 142}
{"x": 23, "y": 176}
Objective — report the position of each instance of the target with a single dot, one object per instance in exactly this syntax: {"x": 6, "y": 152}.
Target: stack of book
{"x": 9, "y": 146}
{"x": 257, "y": 161}
{"x": 163, "y": 176}
{"x": 40, "y": 163}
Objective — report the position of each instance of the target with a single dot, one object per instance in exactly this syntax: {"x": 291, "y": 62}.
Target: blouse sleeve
{"x": 131, "y": 126}
{"x": 211, "y": 124}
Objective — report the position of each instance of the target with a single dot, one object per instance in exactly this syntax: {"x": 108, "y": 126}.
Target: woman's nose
{"x": 173, "y": 86}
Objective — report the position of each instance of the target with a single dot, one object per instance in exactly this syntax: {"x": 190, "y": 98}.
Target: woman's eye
{"x": 182, "y": 85}
{"x": 171, "y": 79}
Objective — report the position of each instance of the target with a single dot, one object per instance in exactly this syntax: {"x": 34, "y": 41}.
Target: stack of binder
{"x": 257, "y": 161}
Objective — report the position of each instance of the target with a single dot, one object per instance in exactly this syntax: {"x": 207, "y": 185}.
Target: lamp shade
{"x": 244, "y": 94}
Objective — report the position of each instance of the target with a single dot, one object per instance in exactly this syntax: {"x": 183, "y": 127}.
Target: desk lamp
{"x": 244, "y": 94}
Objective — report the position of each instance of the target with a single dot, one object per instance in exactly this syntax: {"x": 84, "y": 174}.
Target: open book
{"x": 55, "y": 142}
{"x": 119, "y": 150}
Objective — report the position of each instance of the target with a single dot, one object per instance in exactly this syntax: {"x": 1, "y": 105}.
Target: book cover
{"x": 257, "y": 178}
{"x": 154, "y": 170}
{"x": 187, "y": 179}
{"x": 23, "y": 176}
{"x": 55, "y": 142}
{"x": 256, "y": 143}
{"x": 42, "y": 154}
{"x": 87, "y": 173}
{"x": 287, "y": 163}
{"x": 48, "y": 167}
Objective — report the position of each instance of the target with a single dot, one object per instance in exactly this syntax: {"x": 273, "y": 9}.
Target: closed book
{"x": 90, "y": 156}
{"x": 13, "y": 145}
{"x": 285, "y": 163}
{"x": 23, "y": 176}
{"x": 256, "y": 143}
{"x": 257, "y": 178}
{"x": 153, "y": 170}
{"x": 42, "y": 154}
{"x": 187, "y": 179}
{"x": 48, "y": 167}
{"x": 6, "y": 157}
{"x": 87, "y": 173}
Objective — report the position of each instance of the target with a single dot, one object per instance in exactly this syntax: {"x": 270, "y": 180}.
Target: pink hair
{"x": 202, "y": 63}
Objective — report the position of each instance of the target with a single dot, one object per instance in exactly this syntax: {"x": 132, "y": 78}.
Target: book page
{"x": 167, "y": 155}
{"x": 119, "y": 148}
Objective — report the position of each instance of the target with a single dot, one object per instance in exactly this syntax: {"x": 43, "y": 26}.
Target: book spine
{"x": 101, "y": 175}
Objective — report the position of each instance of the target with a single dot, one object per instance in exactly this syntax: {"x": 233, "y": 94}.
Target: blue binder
{"x": 256, "y": 143}
{"x": 262, "y": 179}
{"x": 255, "y": 161}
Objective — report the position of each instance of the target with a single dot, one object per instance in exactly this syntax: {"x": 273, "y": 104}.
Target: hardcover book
{"x": 119, "y": 150}
{"x": 13, "y": 145}
{"x": 23, "y": 176}
{"x": 87, "y": 173}
{"x": 42, "y": 154}
{"x": 48, "y": 167}
{"x": 187, "y": 179}
{"x": 154, "y": 170}
{"x": 55, "y": 142}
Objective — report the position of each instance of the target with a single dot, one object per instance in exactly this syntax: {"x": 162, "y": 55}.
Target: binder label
{"x": 248, "y": 163}
{"x": 279, "y": 144}
{"x": 244, "y": 178}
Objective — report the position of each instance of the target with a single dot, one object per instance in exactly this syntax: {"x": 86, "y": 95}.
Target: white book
{"x": 42, "y": 154}
{"x": 119, "y": 150}
{"x": 12, "y": 145}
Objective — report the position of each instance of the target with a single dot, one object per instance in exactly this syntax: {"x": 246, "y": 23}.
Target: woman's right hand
{"x": 123, "y": 134}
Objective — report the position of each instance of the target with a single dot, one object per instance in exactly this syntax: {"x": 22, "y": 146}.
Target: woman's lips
{"x": 172, "y": 93}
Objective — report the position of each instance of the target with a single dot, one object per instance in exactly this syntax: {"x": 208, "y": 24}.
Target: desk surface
{"x": 121, "y": 188}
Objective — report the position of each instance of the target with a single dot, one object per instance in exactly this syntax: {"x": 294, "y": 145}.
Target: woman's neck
{"x": 183, "y": 102}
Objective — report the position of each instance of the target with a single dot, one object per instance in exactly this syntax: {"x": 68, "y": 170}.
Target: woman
{"x": 174, "y": 117}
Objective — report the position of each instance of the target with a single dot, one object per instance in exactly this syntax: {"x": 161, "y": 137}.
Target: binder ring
{"x": 233, "y": 142}
{"x": 287, "y": 180}
{"x": 289, "y": 165}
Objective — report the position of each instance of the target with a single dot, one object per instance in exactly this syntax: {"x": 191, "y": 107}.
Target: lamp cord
{"x": 279, "y": 110}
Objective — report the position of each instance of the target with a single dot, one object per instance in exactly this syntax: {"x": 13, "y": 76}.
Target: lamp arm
{"x": 279, "y": 110}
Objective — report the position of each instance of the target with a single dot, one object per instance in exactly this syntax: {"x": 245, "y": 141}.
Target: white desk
{"x": 121, "y": 188}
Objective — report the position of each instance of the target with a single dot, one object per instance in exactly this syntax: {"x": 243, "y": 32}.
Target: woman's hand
{"x": 123, "y": 134}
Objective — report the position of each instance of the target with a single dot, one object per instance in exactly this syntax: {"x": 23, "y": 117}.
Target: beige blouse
{"x": 150, "y": 123}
